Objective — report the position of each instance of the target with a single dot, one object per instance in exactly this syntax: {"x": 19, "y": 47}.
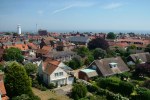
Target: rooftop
{"x": 87, "y": 70}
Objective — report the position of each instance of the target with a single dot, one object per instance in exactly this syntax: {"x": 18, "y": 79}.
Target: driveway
{"x": 63, "y": 90}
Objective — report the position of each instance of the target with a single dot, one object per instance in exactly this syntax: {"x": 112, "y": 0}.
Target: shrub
{"x": 92, "y": 88}
{"x": 146, "y": 84}
{"x": 51, "y": 86}
{"x": 79, "y": 91}
{"x": 109, "y": 84}
{"x": 126, "y": 88}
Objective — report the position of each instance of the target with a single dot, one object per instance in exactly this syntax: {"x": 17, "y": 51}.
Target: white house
{"x": 56, "y": 72}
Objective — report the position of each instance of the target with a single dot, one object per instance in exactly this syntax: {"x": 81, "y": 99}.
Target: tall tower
{"x": 19, "y": 29}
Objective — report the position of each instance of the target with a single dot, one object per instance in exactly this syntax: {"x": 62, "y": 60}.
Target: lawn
{"x": 45, "y": 95}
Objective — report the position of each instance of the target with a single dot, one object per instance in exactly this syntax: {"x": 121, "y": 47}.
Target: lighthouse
{"x": 19, "y": 29}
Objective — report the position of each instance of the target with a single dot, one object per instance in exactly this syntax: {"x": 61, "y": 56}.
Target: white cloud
{"x": 78, "y": 4}
{"x": 113, "y": 6}
{"x": 62, "y": 9}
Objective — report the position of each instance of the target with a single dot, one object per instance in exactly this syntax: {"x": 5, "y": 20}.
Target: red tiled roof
{"x": 50, "y": 66}
{"x": 20, "y": 46}
{"x": 2, "y": 88}
{"x": 33, "y": 46}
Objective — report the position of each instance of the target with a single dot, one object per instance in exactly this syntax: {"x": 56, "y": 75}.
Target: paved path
{"x": 63, "y": 90}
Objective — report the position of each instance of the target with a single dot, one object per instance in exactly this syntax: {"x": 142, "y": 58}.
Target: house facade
{"x": 56, "y": 73}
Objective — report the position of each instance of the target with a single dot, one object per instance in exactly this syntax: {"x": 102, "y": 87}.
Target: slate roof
{"x": 142, "y": 56}
{"x": 104, "y": 66}
{"x": 78, "y": 39}
{"x": 60, "y": 54}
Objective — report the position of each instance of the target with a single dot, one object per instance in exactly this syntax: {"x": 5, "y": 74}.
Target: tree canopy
{"x": 17, "y": 81}
{"x": 98, "y": 43}
{"x": 76, "y": 62}
{"x": 147, "y": 49}
{"x": 30, "y": 68}
{"x": 13, "y": 54}
{"x": 79, "y": 91}
{"x": 98, "y": 52}
{"x": 82, "y": 51}
{"x": 111, "y": 35}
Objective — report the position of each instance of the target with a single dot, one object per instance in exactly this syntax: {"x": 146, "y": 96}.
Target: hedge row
{"x": 103, "y": 92}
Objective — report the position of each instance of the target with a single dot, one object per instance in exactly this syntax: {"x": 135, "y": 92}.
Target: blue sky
{"x": 77, "y": 15}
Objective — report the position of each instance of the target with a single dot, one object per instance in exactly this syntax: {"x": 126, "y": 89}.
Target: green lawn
{"x": 45, "y": 95}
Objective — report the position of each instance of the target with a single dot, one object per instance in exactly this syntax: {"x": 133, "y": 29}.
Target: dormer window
{"x": 94, "y": 67}
{"x": 112, "y": 65}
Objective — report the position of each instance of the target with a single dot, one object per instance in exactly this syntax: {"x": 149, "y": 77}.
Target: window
{"x": 112, "y": 65}
{"x": 58, "y": 74}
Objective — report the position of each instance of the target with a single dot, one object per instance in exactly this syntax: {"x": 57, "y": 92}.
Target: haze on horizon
{"x": 75, "y": 15}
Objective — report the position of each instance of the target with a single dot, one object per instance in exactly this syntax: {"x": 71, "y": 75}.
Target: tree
{"x": 7, "y": 33}
{"x": 98, "y": 43}
{"x": 89, "y": 60}
{"x": 13, "y": 54}
{"x": 111, "y": 35}
{"x": 76, "y": 62}
{"x": 126, "y": 88}
{"x": 17, "y": 81}
{"x": 142, "y": 70}
{"x": 79, "y": 91}
{"x": 15, "y": 34}
{"x": 26, "y": 97}
{"x": 98, "y": 52}
{"x": 30, "y": 68}
{"x": 1, "y": 67}
{"x": 147, "y": 49}
{"x": 82, "y": 51}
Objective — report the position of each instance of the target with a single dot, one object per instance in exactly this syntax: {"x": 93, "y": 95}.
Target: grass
{"x": 45, "y": 95}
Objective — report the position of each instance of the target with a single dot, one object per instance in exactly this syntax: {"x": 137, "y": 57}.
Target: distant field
{"x": 45, "y": 95}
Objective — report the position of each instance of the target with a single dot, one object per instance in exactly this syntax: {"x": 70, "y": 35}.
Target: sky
{"x": 75, "y": 15}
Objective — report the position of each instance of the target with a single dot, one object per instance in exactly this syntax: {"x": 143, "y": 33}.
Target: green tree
{"x": 98, "y": 52}
{"x": 98, "y": 43}
{"x": 82, "y": 51}
{"x": 15, "y": 34}
{"x": 79, "y": 91}
{"x": 147, "y": 49}
{"x": 1, "y": 67}
{"x": 17, "y": 81}
{"x": 76, "y": 62}
{"x": 7, "y": 33}
{"x": 111, "y": 35}
{"x": 126, "y": 88}
{"x": 30, "y": 68}
{"x": 89, "y": 60}
{"x": 13, "y": 54}
{"x": 26, "y": 97}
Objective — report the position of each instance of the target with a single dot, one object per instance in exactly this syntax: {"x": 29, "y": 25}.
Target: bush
{"x": 110, "y": 95}
{"x": 92, "y": 88}
{"x": 126, "y": 88}
{"x": 146, "y": 84}
{"x": 51, "y": 86}
{"x": 26, "y": 97}
{"x": 115, "y": 85}
{"x": 143, "y": 94}
{"x": 79, "y": 91}
{"x": 109, "y": 84}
